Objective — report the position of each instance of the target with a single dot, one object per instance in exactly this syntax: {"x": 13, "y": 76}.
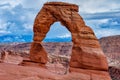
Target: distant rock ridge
{"x": 110, "y": 44}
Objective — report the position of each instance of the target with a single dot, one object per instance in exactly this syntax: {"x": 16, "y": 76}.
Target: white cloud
{"x": 28, "y": 26}
{"x": 36, "y": 4}
{"x": 12, "y": 3}
{"x": 64, "y": 36}
{"x": 114, "y": 23}
{"x": 30, "y": 16}
{"x": 5, "y": 6}
{"x": 104, "y": 27}
{"x": 22, "y": 17}
{"x": 91, "y": 6}
{"x": 96, "y": 23}
{"x": 106, "y": 32}
{"x": 7, "y": 27}
{"x": 3, "y": 25}
{"x": 3, "y": 32}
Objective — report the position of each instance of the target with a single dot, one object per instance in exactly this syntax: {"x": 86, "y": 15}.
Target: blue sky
{"x": 17, "y": 17}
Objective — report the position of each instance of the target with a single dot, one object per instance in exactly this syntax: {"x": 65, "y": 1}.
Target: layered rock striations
{"x": 87, "y": 57}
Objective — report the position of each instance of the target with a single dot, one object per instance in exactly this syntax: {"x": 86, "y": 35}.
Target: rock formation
{"x": 3, "y": 55}
{"x": 87, "y": 57}
{"x": 10, "y": 57}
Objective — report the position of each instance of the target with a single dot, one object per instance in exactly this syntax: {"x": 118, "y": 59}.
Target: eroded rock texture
{"x": 87, "y": 56}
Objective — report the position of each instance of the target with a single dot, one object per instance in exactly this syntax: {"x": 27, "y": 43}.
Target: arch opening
{"x": 58, "y": 33}
{"x": 58, "y": 47}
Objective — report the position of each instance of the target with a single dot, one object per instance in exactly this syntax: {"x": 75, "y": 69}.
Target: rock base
{"x": 92, "y": 74}
{"x": 32, "y": 64}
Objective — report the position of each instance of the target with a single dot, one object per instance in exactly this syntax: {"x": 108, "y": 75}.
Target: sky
{"x": 17, "y": 18}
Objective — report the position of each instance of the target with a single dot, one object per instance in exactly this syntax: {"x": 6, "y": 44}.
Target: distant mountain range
{"x": 15, "y": 38}
{"x": 29, "y": 38}
{"x": 57, "y": 39}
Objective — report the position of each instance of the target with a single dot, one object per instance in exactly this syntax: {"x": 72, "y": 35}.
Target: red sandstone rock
{"x": 93, "y": 74}
{"x": 86, "y": 53}
{"x": 15, "y": 72}
{"x": 39, "y": 54}
{"x": 10, "y": 57}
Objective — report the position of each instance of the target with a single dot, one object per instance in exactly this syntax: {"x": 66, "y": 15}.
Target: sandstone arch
{"x": 86, "y": 52}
